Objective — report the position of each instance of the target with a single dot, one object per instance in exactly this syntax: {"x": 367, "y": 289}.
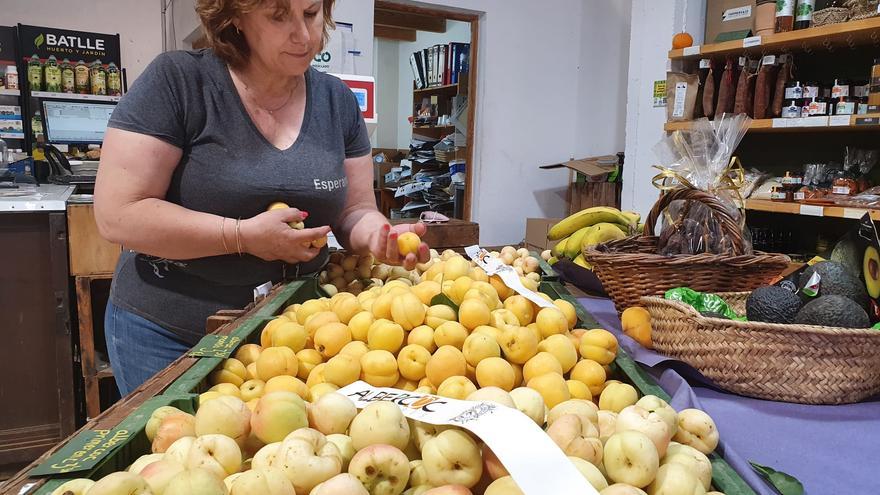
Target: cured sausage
{"x": 782, "y": 77}
{"x": 763, "y": 90}
{"x": 726, "y": 90}
{"x": 709, "y": 93}
{"x": 744, "y": 91}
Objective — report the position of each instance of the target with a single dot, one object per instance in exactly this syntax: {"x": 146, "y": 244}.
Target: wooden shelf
{"x": 448, "y": 88}
{"x": 766, "y": 205}
{"x": 839, "y": 123}
{"x": 842, "y": 35}
{"x": 73, "y": 96}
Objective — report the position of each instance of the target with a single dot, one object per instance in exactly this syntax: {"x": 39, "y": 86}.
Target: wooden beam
{"x": 449, "y": 13}
{"x": 394, "y": 33}
{"x": 408, "y": 20}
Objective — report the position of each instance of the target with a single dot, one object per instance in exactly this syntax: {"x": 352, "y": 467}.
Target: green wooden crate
{"x": 137, "y": 444}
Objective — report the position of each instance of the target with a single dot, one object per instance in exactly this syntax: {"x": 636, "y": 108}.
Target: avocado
{"x": 836, "y": 279}
{"x": 848, "y": 253}
{"x": 772, "y": 305}
{"x": 833, "y": 311}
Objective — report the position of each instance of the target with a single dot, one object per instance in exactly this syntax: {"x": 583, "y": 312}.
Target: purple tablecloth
{"x": 831, "y": 449}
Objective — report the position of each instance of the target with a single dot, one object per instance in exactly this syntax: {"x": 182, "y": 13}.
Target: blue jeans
{"x": 138, "y": 348}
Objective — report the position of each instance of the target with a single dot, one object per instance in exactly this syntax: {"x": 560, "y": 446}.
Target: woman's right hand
{"x": 269, "y": 237}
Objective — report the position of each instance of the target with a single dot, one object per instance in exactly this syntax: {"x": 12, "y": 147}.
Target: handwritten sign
{"x": 83, "y": 452}
{"x": 220, "y": 346}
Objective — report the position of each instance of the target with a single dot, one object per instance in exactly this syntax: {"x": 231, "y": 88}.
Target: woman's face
{"x": 284, "y": 40}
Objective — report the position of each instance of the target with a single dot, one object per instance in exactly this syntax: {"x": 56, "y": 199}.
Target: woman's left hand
{"x": 385, "y": 248}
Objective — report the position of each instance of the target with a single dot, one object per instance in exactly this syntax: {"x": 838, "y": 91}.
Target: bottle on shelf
{"x": 81, "y": 78}
{"x": 98, "y": 78}
{"x": 37, "y": 125}
{"x": 35, "y": 73}
{"x": 784, "y": 15}
{"x": 114, "y": 81}
{"x": 804, "y": 14}
{"x": 68, "y": 83}
{"x": 52, "y": 75}
{"x": 11, "y": 77}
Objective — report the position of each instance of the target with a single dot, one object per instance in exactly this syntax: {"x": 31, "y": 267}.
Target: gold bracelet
{"x": 223, "y": 234}
{"x": 238, "y": 235}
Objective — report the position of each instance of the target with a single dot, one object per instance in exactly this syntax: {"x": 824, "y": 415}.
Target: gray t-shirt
{"x": 228, "y": 168}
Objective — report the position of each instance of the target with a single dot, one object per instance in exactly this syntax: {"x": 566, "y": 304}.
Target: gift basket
{"x": 703, "y": 242}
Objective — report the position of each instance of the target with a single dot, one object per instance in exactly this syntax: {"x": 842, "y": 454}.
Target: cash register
{"x": 70, "y": 122}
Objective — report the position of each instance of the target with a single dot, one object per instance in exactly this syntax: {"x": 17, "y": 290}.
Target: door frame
{"x": 455, "y": 14}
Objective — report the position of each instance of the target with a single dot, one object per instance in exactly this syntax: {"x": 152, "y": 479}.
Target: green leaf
{"x": 444, "y": 300}
{"x": 784, "y": 483}
{"x": 38, "y": 41}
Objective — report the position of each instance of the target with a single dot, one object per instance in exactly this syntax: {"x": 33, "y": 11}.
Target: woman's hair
{"x": 223, "y": 37}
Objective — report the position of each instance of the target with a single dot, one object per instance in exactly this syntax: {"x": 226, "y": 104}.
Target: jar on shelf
{"x": 765, "y": 17}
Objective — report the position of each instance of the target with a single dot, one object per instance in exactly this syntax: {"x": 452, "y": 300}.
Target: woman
{"x": 199, "y": 148}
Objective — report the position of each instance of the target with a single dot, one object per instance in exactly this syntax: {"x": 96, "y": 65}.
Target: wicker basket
{"x": 631, "y": 268}
{"x": 804, "y": 364}
{"x": 831, "y": 15}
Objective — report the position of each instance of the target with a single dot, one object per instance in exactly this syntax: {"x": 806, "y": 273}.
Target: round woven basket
{"x": 831, "y": 15}
{"x": 631, "y": 268}
{"x": 804, "y": 364}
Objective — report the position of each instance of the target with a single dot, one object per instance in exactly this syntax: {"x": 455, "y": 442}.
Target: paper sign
{"x": 262, "y": 291}
{"x": 83, "y": 452}
{"x": 528, "y": 454}
{"x": 412, "y": 187}
{"x": 26, "y": 488}
{"x": 752, "y": 41}
{"x": 691, "y": 50}
{"x": 867, "y": 121}
{"x": 659, "y": 94}
{"x": 705, "y": 63}
{"x": 220, "y": 346}
{"x": 332, "y": 243}
{"x": 680, "y": 94}
{"x": 812, "y": 210}
{"x": 737, "y": 13}
{"x": 781, "y": 123}
{"x": 839, "y": 121}
{"x": 494, "y": 266}
{"x": 768, "y": 60}
{"x": 853, "y": 213}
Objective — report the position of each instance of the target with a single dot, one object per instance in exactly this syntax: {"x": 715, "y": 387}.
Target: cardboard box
{"x": 588, "y": 184}
{"x": 536, "y": 233}
{"x": 729, "y": 19}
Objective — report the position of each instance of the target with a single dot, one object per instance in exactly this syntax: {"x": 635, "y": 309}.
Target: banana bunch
{"x": 588, "y": 228}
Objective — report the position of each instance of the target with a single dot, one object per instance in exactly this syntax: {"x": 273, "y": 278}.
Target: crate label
{"x": 752, "y": 41}
{"x": 219, "y": 346}
{"x": 853, "y": 213}
{"x": 691, "y": 50}
{"x": 493, "y": 423}
{"x": 812, "y": 210}
{"x": 83, "y": 452}
{"x": 839, "y": 121}
{"x": 494, "y": 266}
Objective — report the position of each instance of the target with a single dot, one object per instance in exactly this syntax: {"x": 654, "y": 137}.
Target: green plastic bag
{"x": 702, "y": 302}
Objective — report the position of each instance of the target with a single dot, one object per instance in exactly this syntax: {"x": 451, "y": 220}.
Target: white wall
{"x": 137, "y": 22}
{"x": 387, "y": 74}
{"x": 654, "y": 22}
{"x": 456, "y": 31}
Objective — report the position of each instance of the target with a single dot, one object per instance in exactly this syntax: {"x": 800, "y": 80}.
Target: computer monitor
{"x": 76, "y": 122}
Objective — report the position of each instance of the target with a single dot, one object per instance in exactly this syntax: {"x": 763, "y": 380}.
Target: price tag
{"x": 691, "y": 50}
{"x": 705, "y": 63}
{"x": 742, "y": 61}
{"x": 868, "y": 121}
{"x": 83, "y": 452}
{"x": 494, "y": 266}
{"x": 494, "y": 424}
{"x": 262, "y": 291}
{"x": 752, "y": 41}
{"x": 768, "y": 60}
{"x": 812, "y": 210}
{"x": 782, "y": 123}
{"x": 853, "y": 213}
{"x": 839, "y": 121}
{"x": 211, "y": 345}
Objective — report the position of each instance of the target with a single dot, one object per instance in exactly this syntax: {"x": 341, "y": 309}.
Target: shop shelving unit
{"x": 835, "y": 44}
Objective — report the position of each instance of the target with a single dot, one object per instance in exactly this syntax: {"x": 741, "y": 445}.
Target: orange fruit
{"x": 636, "y": 323}
{"x": 682, "y": 40}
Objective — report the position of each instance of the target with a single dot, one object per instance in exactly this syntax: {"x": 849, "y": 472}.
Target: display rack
{"x": 844, "y": 39}
{"x": 842, "y": 35}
